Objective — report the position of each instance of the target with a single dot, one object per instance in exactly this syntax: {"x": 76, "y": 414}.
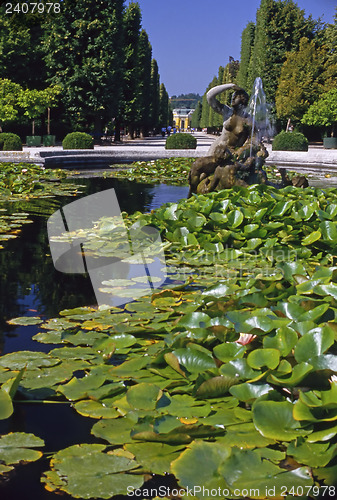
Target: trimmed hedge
{"x": 181, "y": 141}
{"x": 10, "y": 142}
{"x": 78, "y": 140}
{"x": 290, "y": 141}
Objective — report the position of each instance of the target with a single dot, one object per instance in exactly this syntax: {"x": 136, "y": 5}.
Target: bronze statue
{"x": 236, "y": 157}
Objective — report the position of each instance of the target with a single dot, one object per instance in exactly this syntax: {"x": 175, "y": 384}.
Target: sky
{"x": 191, "y": 38}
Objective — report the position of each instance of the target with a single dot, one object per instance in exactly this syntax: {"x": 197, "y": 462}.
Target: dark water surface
{"x": 30, "y": 286}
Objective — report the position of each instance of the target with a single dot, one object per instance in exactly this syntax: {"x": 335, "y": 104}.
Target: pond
{"x": 30, "y": 286}
{"x": 212, "y": 366}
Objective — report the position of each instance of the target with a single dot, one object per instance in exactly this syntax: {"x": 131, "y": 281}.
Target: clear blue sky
{"x": 191, "y": 38}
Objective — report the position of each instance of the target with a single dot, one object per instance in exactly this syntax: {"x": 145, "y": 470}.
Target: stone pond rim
{"x": 153, "y": 148}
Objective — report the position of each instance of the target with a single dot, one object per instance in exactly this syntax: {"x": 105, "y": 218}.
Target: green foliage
{"x": 78, "y": 140}
{"x": 301, "y": 82}
{"x": 10, "y": 142}
{"x": 24, "y": 181}
{"x": 21, "y": 42}
{"x": 196, "y": 116}
{"x": 233, "y": 365}
{"x": 9, "y": 95}
{"x": 181, "y": 141}
{"x": 247, "y": 43}
{"x": 190, "y": 100}
{"x": 279, "y": 28}
{"x": 164, "y": 106}
{"x": 323, "y": 112}
{"x": 290, "y": 141}
{"x": 84, "y": 54}
{"x": 145, "y": 123}
{"x": 154, "y": 106}
{"x": 168, "y": 170}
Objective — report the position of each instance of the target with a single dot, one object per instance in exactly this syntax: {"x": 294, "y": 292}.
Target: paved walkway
{"x": 152, "y": 148}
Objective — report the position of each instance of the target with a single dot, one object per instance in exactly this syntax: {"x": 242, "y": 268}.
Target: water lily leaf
{"x": 96, "y": 409}
{"x": 173, "y": 362}
{"x": 87, "y": 471}
{"x": 81, "y": 353}
{"x": 311, "y": 238}
{"x": 195, "y": 221}
{"x": 26, "y": 321}
{"x": 244, "y": 435}
{"x": 249, "y": 392}
{"x": 193, "y": 360}
{"x": 167, "y": 298}
{"x": 143, "y": 396}
{"x": 281, "y": 208}
{"x": 11, "y": 385}
{"x": 155, "y": 458}
{"x": 118, "y": 341}
{"x": 50, "y": 376}
{"x": 247, "y": 469}
{"x": 313, "y": 343}
{"x": 275, "y": 420}
{"x": 284, "y": 340}
{"x": 195, "y": 320}
{"x": 328, "y": 230}
{"x": 298, "y": 373}
{"x": 215, "y": 387}
{"x": 226, "y": 417}
{"x": 27, "y": 359}
{"x": 78, "y": 388}
{"x": 221, "y": 290}
{"x": 15, "y": 447}
{"x": 115, "y": 431}
{"x": 323, "y": 435}
{"x": 239, "y": 369}
{"x": 324, "y": 362}
{"x": 6, "y": 405}
{"x": 289, "y": 269}
{"x": 129, "y": 368}
{"x": 330, "y": 289}
{"x": 200, "y": 453}
{"x": 235, "y": 218}
{"x": 183, "y": 405}
{"x": 259, "y": 358}
{"x": 312, "y": 454}
{"x": 229, "y": 350}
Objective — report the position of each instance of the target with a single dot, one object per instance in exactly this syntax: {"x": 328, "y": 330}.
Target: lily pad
{"x": 89, "y": 471}
{"x": 275, "y": 420}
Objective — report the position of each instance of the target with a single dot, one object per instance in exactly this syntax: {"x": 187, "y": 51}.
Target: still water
{"x": 30, "y": 286}
{"x": 29, "y": 283}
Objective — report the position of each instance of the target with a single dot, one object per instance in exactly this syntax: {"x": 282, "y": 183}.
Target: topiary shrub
{"x": 78, "y": 140}
{"x": 10, "y": 142}
{"x": 181, "y": 141}
{"x": 290, "y": 141}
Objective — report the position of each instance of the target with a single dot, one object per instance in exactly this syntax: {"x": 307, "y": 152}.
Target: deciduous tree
{"x": 85, "y": 56}
{"x": 301, "y": 81}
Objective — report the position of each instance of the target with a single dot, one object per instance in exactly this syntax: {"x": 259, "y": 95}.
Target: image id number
{"x": 31, "y": 7}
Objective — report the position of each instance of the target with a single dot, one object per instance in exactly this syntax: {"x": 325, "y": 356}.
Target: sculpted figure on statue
{"x": 235, "y": 158}
{"x": 228, "y": 162}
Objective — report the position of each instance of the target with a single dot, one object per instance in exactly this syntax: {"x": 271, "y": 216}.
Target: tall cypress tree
{"x": 163, "y": 106}
{"x": 85, "y": 56}
{"x": 154, "y": 108}
{"x": 280, "y": 24}
{"x": 247, "y": 43}
{"x": 196, "y": 117}
{"x": 145, "y": 89}
{"x": 131, "y": 76}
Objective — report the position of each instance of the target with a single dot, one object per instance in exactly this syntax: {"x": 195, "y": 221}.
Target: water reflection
{"x": 29, "y": 283}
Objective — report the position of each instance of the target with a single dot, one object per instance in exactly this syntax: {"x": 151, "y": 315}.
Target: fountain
{"x": 237, "y": 156}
